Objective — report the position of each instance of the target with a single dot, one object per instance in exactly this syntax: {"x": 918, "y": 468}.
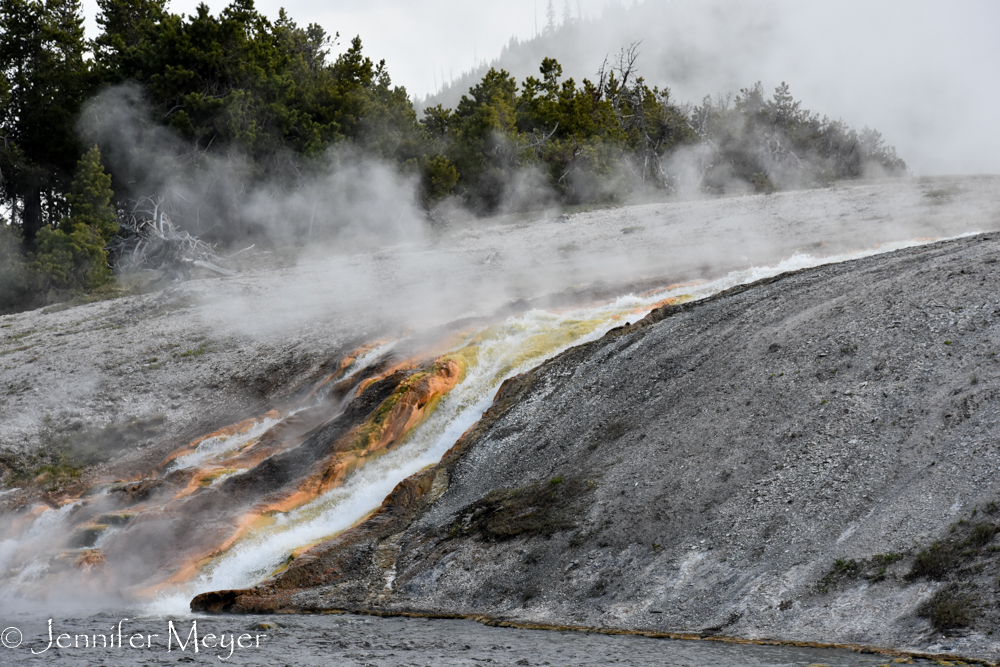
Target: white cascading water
{"x": 222, "y": 446}
{"x": 514, "y": 346}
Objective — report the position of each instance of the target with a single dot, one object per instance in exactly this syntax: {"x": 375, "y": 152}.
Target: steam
{"x": 919, "y": 74}
{"x": 367, "y": 257}
{"x": 495, "y": 353}
{"x": 356, "y": 201}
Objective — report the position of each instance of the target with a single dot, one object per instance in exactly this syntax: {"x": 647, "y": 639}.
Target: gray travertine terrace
{"x": 704, "y": 469}
{"x": 771, "y": 461}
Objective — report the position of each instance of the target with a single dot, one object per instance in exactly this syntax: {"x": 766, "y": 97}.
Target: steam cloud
{"x": 918, "y": 71}
{"x": 359, "y": 200}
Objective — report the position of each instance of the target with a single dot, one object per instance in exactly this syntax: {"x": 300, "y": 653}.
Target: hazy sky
{"x": 923, "y": 72}
{"x": 417, "y": 38}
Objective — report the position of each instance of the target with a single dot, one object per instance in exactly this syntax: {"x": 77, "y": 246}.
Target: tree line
{"x": 268, "y": 99}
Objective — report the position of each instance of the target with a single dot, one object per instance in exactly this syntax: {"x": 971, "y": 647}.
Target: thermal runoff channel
{"x": 238, "y": 505}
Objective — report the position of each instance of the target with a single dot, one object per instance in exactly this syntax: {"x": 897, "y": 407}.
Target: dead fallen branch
{"x": 148, "y": 240}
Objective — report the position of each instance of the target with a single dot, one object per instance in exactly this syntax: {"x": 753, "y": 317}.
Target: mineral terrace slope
{"x": 148, "y": 372}
{"x": 704, "y": 468}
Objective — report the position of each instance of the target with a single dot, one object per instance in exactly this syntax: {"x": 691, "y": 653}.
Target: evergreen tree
{"x": 46, "y": 79}
{"x": 262, "y": 94}
{"x": 90, "y": 199}
{"x": 72, "y": 257}
{"x": 437, "y": 179}
{"x": 126, "y": 27}
{"x": 550, "y": 17}
{"x": 266, "y": 97}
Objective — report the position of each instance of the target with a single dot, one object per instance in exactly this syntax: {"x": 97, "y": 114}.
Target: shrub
{"x": 934, "y": 562}
{"x": 438, "y": 179}
{"x": 982, "y": 534}
{"x": 949, "y": 608}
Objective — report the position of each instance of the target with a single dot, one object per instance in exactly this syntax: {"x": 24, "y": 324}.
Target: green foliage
{"x": 584, "y": 143}
{"x": 943, "y": 557}
{"x": 263, "y": 96}
{"x": 775, "y": 143}
{"x": 848, "y": 569}
{"x": 438, "y": 179}
{"x": 949, "y": 608}
{"x": 879, "y": 563}
{"x": 195, "y": 352}
{"x": 266, "y": 99}
{"x": 46, "y": 78}
{"x": 71, "y": 261}
{"x": 237, "y": 80}
{"x": 982, "y": 534}
{"x": 90, "y": 199}
{"x": 72, "y": 257}
{"x": 934, "y": 562}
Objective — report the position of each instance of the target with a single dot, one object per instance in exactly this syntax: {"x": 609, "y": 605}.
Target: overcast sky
{"x": 923, "y": 72}
{"x": 417, "y": 38}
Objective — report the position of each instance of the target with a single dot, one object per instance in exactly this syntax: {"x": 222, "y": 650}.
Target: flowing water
{"x": 487, "y": 358}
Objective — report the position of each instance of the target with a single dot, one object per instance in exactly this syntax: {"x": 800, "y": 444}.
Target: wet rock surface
{"x": 141, "y": 538}
{"x": 118, "y": 384}
{"x": 813, "y": 457}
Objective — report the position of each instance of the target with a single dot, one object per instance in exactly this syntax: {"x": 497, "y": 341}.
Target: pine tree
{"x": 90, "y": 199}
{"x": 72, "y": 257}
{"x": 550, "y": 17}
{"x": 46, "y": 79}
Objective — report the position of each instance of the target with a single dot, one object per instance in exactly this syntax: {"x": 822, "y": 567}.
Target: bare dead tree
{"x": 147, "y": 239}
{"x": 620, "y": 84}
{"x": 625, "y": 66}
{"x": 539, "y": 138}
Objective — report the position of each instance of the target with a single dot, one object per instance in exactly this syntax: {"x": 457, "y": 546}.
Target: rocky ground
{"x": 787, "y": 460}
{"x": 95, "y": 384}
{"x": 814, "y": 457}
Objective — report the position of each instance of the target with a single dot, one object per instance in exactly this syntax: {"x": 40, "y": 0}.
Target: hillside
{"x": 812, "y": 457}
{"x": 769, "y": 458}
{"x": 681, "y": 49}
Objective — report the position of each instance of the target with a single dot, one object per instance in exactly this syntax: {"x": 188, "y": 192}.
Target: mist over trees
{"x": 774, "y": 143}
{"x": 189, "y": 122}
{"x": 553, "y": 140}
{"x": 691, "y": 47}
